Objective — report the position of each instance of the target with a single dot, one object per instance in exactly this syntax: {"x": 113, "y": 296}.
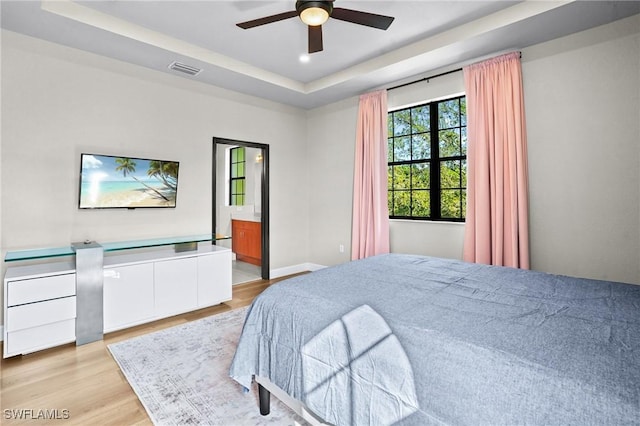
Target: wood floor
{"x": 83, "y": 384}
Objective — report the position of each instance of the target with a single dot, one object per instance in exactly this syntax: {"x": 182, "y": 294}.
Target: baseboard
{"x": 294, "y": 269}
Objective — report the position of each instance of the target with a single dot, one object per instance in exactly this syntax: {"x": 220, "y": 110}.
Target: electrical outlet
{"x": 341, "y": 248}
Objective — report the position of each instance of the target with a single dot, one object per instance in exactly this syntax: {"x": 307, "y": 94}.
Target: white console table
{"x": 142, "y": 281}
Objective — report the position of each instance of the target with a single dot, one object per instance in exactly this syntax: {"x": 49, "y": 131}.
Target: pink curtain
{"x": 496, "y": 230}
{"x": 370, "y": 230}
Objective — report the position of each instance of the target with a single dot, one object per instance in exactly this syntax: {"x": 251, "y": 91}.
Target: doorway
{"x": 240, "y": 202}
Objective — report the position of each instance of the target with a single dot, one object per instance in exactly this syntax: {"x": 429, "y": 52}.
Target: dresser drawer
{"x": 37, "y": 338}
{"x": 36, "y": 314}
{"x": 37, "y": 289}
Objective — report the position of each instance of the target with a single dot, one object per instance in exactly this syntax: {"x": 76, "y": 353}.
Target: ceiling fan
{"x": 316, "y": 13}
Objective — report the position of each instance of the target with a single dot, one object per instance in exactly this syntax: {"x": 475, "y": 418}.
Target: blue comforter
{"x": 413, "y": 340}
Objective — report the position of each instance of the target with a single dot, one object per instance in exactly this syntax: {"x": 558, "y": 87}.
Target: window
{"x": 237, "y": 173}
{"x": 427, "y": 158}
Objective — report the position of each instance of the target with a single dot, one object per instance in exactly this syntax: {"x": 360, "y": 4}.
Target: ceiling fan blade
{"x": 381, "y": 22}
{"x": 315, "y": 38}
{"x": 267, "y": 20}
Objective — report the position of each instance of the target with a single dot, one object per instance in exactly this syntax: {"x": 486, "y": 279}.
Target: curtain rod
{"x": 440, "y": 75}
{"x": 425, "y": 79}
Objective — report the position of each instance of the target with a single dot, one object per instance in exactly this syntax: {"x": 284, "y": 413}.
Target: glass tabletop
{"x": 44, "y": 253}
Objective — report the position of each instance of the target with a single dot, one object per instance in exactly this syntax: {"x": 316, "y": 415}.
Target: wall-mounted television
{"x": 110, "y": 182}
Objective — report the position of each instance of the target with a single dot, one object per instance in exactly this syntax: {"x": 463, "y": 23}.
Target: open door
{"x": 240, "y": 210}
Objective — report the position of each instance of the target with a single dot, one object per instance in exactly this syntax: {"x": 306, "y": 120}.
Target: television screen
{"x": 124, "y": 182}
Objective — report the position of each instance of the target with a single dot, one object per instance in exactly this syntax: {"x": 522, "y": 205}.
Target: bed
{"x": 413, "y": 340}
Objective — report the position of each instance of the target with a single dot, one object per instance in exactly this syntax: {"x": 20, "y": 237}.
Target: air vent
{"x": 187, "y": 69}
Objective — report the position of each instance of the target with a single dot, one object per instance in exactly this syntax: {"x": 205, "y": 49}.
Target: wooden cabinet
{"x": 246, "y": 241}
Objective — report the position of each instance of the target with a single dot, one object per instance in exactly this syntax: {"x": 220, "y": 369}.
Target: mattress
{"x": 414, "y": 340}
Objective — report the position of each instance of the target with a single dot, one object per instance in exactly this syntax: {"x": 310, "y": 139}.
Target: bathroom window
{"x": 237, "y": 176}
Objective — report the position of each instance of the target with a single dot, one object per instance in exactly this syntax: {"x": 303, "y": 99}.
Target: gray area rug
{"x": 181, "y": 375}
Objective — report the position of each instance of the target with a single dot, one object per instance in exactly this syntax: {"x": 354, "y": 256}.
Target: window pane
{"x": 241, "y": 169}
{"x": 450, "y": 203}
{"x": 421, "y": 204}
{"x": 234, "y": 155}
{"x": 421, "y": 148}
{"x": 240, "y": 154}
{"x": 401, "y": 123}
{"x": 450, "y": 174}
{"x": 448, "y": 114}
{"x": 401, "y": 203}
{"x": 402, "y": 149}
{"x": 464, "y": 203}
{"x": 241, "y": 186}
{"x": 234, "y": 170}
{"x": 240, "y": 200}
{"x": 420, "y": 119}
{"x": 464, "y": 173}
{"x": 463, "y": 111}
{"x": 411, "y": 134}
{"x": 449, "y": 143}
{"x": 463, "y": 141}
{"x": 402, "y": 177}
{"x": 421, "y": 176}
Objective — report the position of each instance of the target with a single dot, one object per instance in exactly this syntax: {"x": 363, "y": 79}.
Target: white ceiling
{"x": 264, "y": 61}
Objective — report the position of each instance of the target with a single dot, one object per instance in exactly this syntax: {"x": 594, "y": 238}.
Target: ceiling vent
{"x": 187, "y": 69}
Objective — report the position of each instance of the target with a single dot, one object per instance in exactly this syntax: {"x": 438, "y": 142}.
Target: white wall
{"x": 583, "y": 114}
{"x": 58, "y": 102}
{"x": 582, "y": 99}
{"x": 330, "y": 140}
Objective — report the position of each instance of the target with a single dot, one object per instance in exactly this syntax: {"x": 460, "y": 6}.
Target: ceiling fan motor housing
{"x": 302, "y": 5}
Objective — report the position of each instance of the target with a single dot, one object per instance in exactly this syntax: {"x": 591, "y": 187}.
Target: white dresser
{"x": 39, "y": 307}
{"x": 138, "y": 287}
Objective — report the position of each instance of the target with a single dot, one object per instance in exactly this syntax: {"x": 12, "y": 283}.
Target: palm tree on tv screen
{"x": 166, "y": 171}
{"x": 128, "y": 166}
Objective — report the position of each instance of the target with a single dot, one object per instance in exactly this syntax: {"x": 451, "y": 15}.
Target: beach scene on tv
{"x": 111, "y": 182}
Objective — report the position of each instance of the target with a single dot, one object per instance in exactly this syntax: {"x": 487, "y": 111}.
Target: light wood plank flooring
{"x": 85, "y": 380}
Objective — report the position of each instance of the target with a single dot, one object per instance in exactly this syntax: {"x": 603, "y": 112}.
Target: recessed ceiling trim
{"x": 88, "y": 16}
{"x": 431, "y": 45}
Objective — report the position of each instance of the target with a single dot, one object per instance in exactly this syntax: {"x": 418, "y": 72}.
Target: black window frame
{"x": 434, "y": 187}
{"x": 233, "y": 179}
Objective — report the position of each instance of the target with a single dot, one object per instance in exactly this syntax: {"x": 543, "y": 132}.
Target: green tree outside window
{"x": 427, "y": 161}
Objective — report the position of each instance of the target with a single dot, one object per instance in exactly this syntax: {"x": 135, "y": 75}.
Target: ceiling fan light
{"x": 314, "y": 13}
{"x": 314, "y": 16}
